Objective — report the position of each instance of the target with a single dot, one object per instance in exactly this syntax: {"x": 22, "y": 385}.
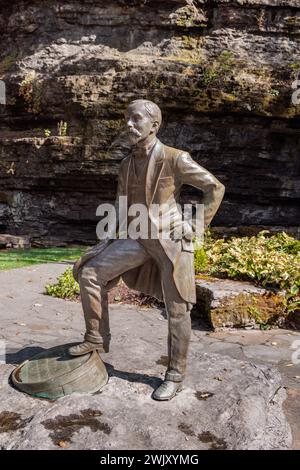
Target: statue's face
{"x": 140, "y": 125}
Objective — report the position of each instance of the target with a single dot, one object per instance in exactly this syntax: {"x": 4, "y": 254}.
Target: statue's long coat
{"x": 168, "y": 170}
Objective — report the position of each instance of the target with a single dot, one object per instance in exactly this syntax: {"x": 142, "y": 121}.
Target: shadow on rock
{"x": 153, "y": 382}
{"x": 17, "y": 357}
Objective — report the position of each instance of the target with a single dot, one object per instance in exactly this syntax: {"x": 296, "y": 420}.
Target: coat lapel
{"x": 154, "y": 169}
{"x": 125, "y": 175}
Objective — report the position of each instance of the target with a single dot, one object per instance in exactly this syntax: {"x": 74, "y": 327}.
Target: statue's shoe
{"x": 167, "y": 390}
{"x": 86, "y": 347}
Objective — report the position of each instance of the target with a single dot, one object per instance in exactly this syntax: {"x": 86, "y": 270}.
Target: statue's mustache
{"x": 124, "y": 137}
{"x": 134, "y": 132}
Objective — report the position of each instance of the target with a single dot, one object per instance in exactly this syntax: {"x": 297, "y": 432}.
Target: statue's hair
{"x": 151, "y": 108}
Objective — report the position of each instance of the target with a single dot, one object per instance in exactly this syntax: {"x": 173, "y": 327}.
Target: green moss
{"x": 210, "y": 75}
{"x": 114, "y": 124}
{"x": 188, "y": 42}
{"x": 7, "y": 63}
{"x": 229, "y": 97}
{"x": 187, "y": 22}
{"x": 182, "y": 22}
{"x": 226, "y": 60}
{"x": 291, "y": 21}
{"x": 294, "y": 69}
{"x": 157, "y": 83}
{"x": 31, "y": 91}
{"x": 185, "y": 59}
{"x": 219, "y": 69}
{"x": 243, "y": 309}
{"x": 294, "y": 65}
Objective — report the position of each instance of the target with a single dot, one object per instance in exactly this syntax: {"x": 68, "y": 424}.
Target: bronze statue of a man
{"x": 153, "y": 173}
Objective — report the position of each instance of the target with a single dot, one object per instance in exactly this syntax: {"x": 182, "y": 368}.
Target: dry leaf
{"x": 62, "y": 444}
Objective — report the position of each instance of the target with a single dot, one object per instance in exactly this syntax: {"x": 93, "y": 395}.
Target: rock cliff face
{"x": 222, "y": 72}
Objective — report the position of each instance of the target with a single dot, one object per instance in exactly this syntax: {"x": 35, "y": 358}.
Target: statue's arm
{"x": 195, "y": 175}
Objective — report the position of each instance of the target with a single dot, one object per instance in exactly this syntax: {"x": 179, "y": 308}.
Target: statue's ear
{"x": 155, "y": 126}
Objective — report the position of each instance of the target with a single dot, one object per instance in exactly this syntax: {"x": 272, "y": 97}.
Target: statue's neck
{"x": 142, "y": 148}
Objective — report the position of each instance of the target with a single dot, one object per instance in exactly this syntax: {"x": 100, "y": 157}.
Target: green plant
{"x": 254, "y": 313}
{"x": 9, "y": 169}
{"x": 66, "y": 286}
{"x": 294, "y": 69}
{"x": 210, "y": 74}
{"x": 220, "y": 66}
{"x": 225, "y": 60}
{"x": 157, "y": 83}
{"x": 294, "y": 65}
{"x": 271, "y": 261}
{"x": 291, "y": 21}
{"x": 7, "y": 63}
{"x": 62, "y": 128}
{"x": 200, "y": 260}
{"x": 47, "y": 132}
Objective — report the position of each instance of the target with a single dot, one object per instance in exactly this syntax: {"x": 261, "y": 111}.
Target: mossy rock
{"x": 236, "y": 304}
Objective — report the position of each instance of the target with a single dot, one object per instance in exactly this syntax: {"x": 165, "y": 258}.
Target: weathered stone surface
{"x": 11, "y": 241}
{"x": 227, "y": 404}
{"x": 222, "y": 73}
{"x": 227, "y": 303}
{"x": 233, "y": 389}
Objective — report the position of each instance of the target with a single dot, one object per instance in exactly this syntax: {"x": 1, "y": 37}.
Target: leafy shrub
{"x": 268, "y": 260}
{"x": 66, "y": 286}
{"x": 200, "y": 260}
{"x": 271, "y": 261}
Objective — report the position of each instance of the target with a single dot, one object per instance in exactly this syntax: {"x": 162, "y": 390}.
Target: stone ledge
{"x": 227, "y": 303}
{"x": 14, "y": 241}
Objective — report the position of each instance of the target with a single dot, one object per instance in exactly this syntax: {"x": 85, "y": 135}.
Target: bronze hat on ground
{"x": 54, "y": 373}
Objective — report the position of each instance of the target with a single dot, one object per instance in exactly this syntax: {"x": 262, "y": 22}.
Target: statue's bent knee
{"x": 88, "y": 272}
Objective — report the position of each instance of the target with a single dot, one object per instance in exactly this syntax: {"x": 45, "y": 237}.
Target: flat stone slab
{"x": 226, "y": 404}
{"x": 233, "y": 396}
{"x": 235, "y": 304}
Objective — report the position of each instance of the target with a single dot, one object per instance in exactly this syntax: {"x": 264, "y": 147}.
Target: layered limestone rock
{"x": 227, "y": 303}
{"x": 222, "y": 71}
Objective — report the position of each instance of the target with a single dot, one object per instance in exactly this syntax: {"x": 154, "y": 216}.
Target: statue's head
{"x": 143, "y": 118}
